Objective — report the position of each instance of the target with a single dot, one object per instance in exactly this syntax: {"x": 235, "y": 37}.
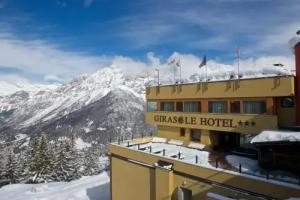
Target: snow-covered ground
{"x": 250, "y": 166}
{"x": 276, "y": 136}
{"x": 86, "y": 188}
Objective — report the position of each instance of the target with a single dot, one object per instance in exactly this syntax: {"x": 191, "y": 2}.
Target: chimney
{"x": 295, "y": 46}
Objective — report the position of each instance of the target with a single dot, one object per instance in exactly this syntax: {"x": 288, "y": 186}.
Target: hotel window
{"x": 235, "y": 107}
{"x": 151, "y": 106}
{"x": 255, "y": 107}
{"x": 167, "y": 106}
{"x": 287, "y": 102}
{"x": 182, "y": 132}
{"x": 217, "y": 106}
{"x": 179, "y": 106}
{"x": 192, "y": 106}
{"x": 195, "y": 135}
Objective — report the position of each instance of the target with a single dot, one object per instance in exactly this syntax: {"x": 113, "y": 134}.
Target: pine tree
{"x": 66, "y": 166}
{"x": 39, "y": 157}
{"x": 11, "y": 170}
{"x": 90, "y": 162}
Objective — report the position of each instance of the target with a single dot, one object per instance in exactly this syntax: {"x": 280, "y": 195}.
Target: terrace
{"x": 194, "y": 154}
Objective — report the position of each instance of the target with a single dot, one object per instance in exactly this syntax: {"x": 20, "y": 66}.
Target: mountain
{"x": 95, "y": 108}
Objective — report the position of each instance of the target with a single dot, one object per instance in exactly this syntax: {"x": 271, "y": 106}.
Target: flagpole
{"x": 238, "y": 59}
{"x": 206, "y": 72}
{"x": 179, "y": 71}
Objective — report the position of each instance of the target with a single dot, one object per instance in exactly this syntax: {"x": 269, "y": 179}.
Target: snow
{"x": 276, "y": 136}
{"x": 250, "y": 168}
{"x": 80, "y": 144}
{"x": 86, "y": 188}
{"x": 176, "y": 142}
{"x": 196, "y": 145}
{"x": 159, "y": 139}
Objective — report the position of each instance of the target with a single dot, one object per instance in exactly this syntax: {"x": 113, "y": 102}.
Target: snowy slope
{"x": 12, "y": 84}
{"x": 86, "y": 188}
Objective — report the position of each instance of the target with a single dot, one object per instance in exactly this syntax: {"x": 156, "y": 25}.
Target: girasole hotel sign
{"x": 201, "y": 121}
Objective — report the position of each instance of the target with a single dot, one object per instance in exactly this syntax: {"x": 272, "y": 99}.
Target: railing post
{"x": 127, "y": 143}
{"x": 196, "y": 159}
{"x": 138, "y": 146}
{"x": 118, "y": 140}
{"x": 240, "y": 168}
{"x": 150, "y": 149}
{"x": 164, "y": 152}
{"x": 217, "y": 163}
{"x": 179, "y": 155}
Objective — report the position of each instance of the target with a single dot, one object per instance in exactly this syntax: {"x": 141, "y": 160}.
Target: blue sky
{"x": 64, "y": 38}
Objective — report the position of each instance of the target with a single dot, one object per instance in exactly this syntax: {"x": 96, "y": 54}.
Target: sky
{"x": 57, "y": 40}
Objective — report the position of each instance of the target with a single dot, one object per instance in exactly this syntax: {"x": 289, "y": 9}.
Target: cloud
{"x": 40, "y": 57}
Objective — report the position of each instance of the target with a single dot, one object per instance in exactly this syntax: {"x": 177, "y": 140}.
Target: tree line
{"x": 47, "y": 161}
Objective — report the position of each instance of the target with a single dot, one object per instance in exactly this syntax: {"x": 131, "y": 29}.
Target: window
{"x": 152, "y": 106}
{"x": 182, "y": 132}
{"x": 217, "y": 106}
{"x": 235, "y": 107}
{"x": 255, "y": 107}
{"x": 192, "y": 106}
{"x": 196, "y": 135}
{"x": 287, "y": 102}
{"x": 179, "y": 106}
{"x": 184, "y": 194}
{"x": 167, "y": 106}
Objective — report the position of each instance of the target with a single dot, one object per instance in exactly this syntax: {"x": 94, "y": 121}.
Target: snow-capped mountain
{"x": 95, "y": 107}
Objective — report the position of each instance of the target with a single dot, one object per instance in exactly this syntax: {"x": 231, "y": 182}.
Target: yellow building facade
{"x": 192, "y": 121}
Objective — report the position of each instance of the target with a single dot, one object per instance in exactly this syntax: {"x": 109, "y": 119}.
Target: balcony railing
{"x": 241, "y": 123}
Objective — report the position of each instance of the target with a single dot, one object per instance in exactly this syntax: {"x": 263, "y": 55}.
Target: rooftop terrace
{"x": 194, "y": 154}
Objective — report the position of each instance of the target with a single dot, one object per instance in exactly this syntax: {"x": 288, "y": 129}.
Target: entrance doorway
{"x": 225, "y": 141}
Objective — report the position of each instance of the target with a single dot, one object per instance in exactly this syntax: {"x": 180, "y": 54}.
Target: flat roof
{"x": 222, "y": 80}
{"x": 229, "y": 163}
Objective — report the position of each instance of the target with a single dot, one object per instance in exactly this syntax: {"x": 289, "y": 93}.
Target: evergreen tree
{"x": 66, "y": 165}
{"x": 11, "y": 170}
{"x": 90, "y": 162}
{"x": 39, "y": 166}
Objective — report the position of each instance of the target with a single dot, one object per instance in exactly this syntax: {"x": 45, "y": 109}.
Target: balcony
{"x": 240, "y": 123}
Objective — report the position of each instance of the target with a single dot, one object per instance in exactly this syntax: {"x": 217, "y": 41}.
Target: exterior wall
{"x": 260, "y": 87}
{"x": 131, "y": 181}
{"x": 240, "y": 123}
{"x": 286, "y": 115}
{"x": 134, "y": 179}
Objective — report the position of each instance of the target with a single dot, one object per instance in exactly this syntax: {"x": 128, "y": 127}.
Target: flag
{"x": 203, "y": 62}
{"x": 178, "y": 63}
{"x": 172, "y": 61}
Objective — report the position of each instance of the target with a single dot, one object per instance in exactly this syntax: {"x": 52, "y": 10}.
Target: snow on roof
{"x": 276, "y": 136}
{"x": 293, "y": 42}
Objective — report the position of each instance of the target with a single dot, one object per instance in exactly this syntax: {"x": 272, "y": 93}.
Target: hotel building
{"x": 198, "y": 126}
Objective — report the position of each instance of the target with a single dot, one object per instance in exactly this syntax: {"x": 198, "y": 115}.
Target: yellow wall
{"x": 130, "y": 180}
{"x": 261, "y": 122}
{"x": 260, "y": 87}
{"x": 286, "y": 116}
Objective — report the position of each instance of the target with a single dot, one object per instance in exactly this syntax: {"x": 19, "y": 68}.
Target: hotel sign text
{"x": 202, "y": 121}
